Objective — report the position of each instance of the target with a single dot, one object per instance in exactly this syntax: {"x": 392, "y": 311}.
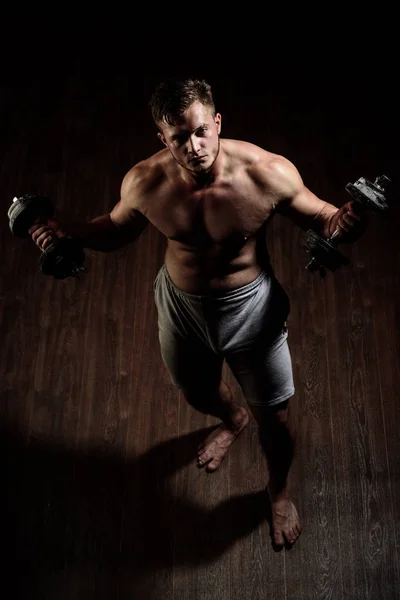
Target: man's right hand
{"x": 45, "y": 230}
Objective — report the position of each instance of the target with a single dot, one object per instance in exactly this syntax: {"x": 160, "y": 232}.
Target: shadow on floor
{"x": 67, "y": 509}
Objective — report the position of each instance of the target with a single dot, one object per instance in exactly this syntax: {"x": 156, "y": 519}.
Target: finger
{"x": 353, "y": 215}
{"x": 345, "y": 226}
{"x": 353, "y": 221}
{"x": 44, "y": 240}
{"x": 39, "y": 232}
{"x": 47, "y": 242}
{"x": 34, "y": 228}
{"x": 39, "y": 228}
{"x": 355, "y": 207}
{"x": 350, "y": 220}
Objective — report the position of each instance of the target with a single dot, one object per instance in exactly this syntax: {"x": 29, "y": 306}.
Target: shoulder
{"x": 144, "y": 178}
{"x": 281, "y": 175}
{"x": 274, "y": 171}
{"x": 245, "y": 152}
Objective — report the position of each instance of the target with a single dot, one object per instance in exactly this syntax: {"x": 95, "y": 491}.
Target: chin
{"x": 198, "y": 169}
{"x": 202, "y": 167}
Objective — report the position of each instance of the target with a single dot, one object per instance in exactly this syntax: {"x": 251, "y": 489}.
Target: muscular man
{"x": 216, "y": 293}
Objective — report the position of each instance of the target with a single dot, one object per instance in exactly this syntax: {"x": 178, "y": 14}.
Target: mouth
{"x": 196, "y": 159}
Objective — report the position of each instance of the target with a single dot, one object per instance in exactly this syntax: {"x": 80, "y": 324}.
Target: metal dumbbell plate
{"x": 325, "y": 254}
{"x": 370, "y": 195}
{"x": 62, "y": 258}
{"x": 25, "y": 210}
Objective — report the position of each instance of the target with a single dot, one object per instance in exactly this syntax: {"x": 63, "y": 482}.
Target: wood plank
{"x": 103, "y": 498}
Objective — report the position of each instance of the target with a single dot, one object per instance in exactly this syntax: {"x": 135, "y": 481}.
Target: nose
{"x": 194, "y": 144}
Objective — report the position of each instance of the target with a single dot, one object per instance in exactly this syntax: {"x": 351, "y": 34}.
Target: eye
{"x": 202, "y": 131}
{"x": 178, "y": 140}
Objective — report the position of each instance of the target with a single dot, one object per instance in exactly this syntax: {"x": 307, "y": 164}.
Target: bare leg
{"x": 234, "y": 419}
{"x": 277, "y": 436}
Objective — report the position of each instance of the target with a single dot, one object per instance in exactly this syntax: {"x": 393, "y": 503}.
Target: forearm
{"x": 309, "y": 212}
{"x": 98, "y": 234}
{"x": 323, "y": 222}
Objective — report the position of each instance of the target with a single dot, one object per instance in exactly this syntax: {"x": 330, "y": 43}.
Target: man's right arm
{"x": 111, "y": 231}
{"x": 105, "y": 233}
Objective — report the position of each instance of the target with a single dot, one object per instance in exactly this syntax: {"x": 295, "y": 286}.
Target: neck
{"x": 203, "y": 179}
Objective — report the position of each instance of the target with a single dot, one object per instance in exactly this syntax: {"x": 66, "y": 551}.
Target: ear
{"x": 162, "y": 138}
{"x": 218, "y": 120}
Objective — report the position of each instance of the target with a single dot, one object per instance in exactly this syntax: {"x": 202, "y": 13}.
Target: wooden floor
{"x": 101, "y": 497}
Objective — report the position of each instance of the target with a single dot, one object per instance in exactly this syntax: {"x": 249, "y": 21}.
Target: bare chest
{"x": 223, "y": 215}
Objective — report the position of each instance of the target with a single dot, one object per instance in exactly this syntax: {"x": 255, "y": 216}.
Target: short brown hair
{"x": 173, "y": 96}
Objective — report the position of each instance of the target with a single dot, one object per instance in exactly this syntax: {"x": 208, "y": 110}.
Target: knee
{"x": 272, "y": 419}
{"x": 280, "y": 413}
{"x": 280, "y": 424}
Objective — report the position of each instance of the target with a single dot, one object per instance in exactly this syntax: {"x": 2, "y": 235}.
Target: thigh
{"x": 192, "y": 366}
{"x": 264, "y": 370}
{"x": 190, "y": 361}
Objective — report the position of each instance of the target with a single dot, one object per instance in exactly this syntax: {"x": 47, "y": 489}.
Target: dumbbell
{"x": 62, "y": 258}
{"x": 370, "y": 197}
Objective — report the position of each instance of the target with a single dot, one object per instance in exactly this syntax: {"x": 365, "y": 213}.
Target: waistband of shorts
{"x": 218, "y": 294}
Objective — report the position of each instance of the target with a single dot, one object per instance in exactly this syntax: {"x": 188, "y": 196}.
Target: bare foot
{"x": 211, "y": 452}
{"x": 285, "y": 519}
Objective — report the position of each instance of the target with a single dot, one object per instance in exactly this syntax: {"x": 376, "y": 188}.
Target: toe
{"x": 294, "y": 535}
{"x": 203, "y": 460}
{"x": 213, "y": 466}
{"x": 278, "y": 538}
{"x": 290, "y": 536}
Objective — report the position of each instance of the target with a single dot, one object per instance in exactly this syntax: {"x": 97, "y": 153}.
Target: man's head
{"x": 184, "y": 112}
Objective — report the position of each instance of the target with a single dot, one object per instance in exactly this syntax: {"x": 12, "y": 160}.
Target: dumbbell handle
{"x": 335, "y": 235}
{"x": 52, "y": 236}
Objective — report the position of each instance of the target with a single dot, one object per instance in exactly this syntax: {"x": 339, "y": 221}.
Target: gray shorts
{"x": 246, "y": 327}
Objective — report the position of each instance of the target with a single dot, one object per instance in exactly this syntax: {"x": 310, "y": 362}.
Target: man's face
{"x": 193, "y": 140}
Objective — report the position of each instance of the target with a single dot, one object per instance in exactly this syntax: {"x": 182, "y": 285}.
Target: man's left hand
{"x": 351, "y": 220}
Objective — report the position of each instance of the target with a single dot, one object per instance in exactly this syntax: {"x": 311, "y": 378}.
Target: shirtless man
{"x": 216, "y": 293}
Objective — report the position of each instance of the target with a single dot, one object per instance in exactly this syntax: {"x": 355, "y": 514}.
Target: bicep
{"x": 302, "y": 206}
{"x": 306, "y": 210}
{"x": 129, "y": 221}
{"x": 293, "y": 199}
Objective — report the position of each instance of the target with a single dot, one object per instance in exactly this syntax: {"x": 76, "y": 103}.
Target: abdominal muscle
{"x": 212, "y": 269}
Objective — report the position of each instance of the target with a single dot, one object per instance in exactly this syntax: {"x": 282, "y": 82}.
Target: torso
{"x": 215, "y": 233}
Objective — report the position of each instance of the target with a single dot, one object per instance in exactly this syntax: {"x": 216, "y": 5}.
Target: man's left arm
{"x": 308, "y": 211}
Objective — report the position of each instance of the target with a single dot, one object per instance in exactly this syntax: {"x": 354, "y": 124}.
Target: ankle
{"x": 277, "y": 492}
{"x": 226, "y": 399}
